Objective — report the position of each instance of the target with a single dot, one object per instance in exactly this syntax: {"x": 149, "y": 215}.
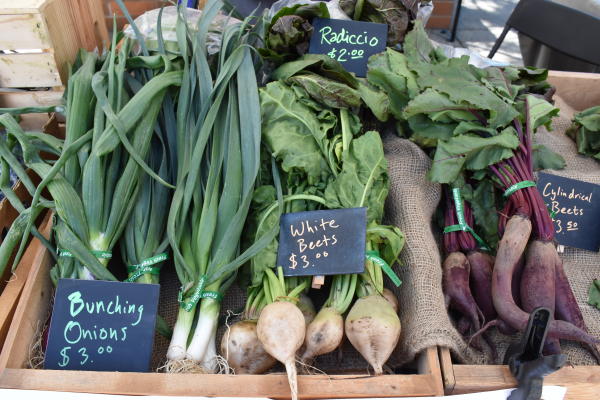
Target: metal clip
{"x": 526, "y": 361}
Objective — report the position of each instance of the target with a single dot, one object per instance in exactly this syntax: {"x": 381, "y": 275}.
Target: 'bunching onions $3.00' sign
{"x": 102, "y": 326}
{"x": 324, "y": 242}
{"x": 349, "y": 42}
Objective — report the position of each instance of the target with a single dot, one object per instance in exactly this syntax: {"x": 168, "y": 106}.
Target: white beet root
{"x": 373, "y": 328}
{"x": 305, "y": 305}
{"x": 324, "y": 334}
{"x": 281, "y": 329}
{"x": 391, "y": 298}
{"x": 243, "y": 351}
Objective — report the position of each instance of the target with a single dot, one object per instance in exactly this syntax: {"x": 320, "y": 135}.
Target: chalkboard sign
{"x": 349, "y": 42}
{"x": 325, "y": 242}
{"x": 102, "y": 326}
{"x": 575, "y": 207}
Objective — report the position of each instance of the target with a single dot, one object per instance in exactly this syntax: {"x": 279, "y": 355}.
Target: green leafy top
{"x": 585, "y": 130}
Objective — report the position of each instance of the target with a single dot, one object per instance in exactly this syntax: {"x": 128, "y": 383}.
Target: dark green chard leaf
{"x": 470, "y": 152}
{"x": 594, "y": 294}
{"x": 544, "y": 158}
{"x": 388, "y": 71}
{"x": 300, "y": 147}
{"x": 377, "y": 101}
{"x": 363, "y": 181}
{"x": 327, "y": 91}
{"x": 483, "y": 203}
{"x": 585, "y": 130}
{"x": 438, "y": 107}
{"x": 320, "y": 64}
{"x": 423, "y": 128}
{"x": 540, "y": 112}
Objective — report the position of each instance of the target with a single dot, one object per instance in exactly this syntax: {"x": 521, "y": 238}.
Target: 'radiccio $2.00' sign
{"x": 349, "y": 42}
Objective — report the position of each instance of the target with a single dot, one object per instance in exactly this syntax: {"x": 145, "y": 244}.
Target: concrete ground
{"x": 480, "y": 24}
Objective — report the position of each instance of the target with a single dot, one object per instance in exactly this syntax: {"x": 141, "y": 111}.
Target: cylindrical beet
{"x": 480, "y": 278}
{"x": 456, "y": 288}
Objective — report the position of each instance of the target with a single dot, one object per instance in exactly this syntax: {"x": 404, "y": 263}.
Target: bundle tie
{"x": 147, "y": 266}
{"x": 518, "y": 186}
{"x": 197, "y": 294}
{"x": 462, "y": 224}
{"x": 96, "y": 253}
{"x": 373, "y": 256}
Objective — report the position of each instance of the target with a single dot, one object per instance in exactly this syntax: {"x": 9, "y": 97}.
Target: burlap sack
{"x": 412, "y": 202}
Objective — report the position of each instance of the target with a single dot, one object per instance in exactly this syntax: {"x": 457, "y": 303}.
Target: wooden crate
{"x": 15, "y": 282}
{"x": 47, "y": 35}
{"x": 33, "y": 309}
{"x": 582, "y": 382}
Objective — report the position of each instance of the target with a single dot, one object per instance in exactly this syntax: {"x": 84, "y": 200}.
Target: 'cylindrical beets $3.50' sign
{"x": 102, "y": 326}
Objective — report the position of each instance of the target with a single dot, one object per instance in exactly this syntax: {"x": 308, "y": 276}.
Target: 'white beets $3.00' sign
{"x": 349, "y": 42}
{"x": 324, "y": 242}
{"x": 102, "y": 326}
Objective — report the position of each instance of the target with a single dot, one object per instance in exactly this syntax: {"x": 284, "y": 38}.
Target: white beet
{"x": 243, "y": 351}
{"x": 373, "y": 328}
{"x": 391, "y": 298}
{"x": 324, "y": 334}
{"x": 281, "y": 329}
{"x": 305, "y": 305}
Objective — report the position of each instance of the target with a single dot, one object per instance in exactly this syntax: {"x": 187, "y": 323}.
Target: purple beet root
{"x": 516, "y": 282}
{"x": 537, "y": 280}
{"x": 458, "y": 295}
{"x": 552, "y": 346}
{"x": 510, "y": 249}
{"x": 463, "y": 325}
{"x": 567, "y": 308}
{"x": 482, "y": 265}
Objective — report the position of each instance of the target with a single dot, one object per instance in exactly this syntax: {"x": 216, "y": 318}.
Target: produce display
{"x": 183, "y": 152}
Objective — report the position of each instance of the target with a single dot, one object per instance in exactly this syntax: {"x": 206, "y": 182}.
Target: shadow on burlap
{"x": 412, "y": 203}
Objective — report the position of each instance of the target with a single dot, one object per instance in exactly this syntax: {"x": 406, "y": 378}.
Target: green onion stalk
{"x": 94, "y": 183}
{"x": 218, "y": 142}
{"x": 145, "y": 242}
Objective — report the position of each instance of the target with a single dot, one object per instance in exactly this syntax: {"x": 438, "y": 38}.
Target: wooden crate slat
{"x": 23, "y": 31}
{"x": 9, "y": 297}
{"x": 34, "y": 306}
{"x": 21, "y": 6}
{"x": 28, "y": 70}
{"x": 31, "y": 98}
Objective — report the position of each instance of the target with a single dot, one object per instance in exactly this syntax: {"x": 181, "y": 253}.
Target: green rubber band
{"x": 96, "y": 253}
{"x": 199, "y": 293}
{"x": 453, "y": 228}
{"x": 147, "y": 266}
{"x": 373, "y": 256}
{"x": 462, "y": 224}
{"x": 518, "y": 186}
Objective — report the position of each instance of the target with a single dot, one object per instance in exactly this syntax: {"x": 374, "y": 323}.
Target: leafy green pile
{"x": 466, "y": 118}
{"x": 397, "y": 14}
{"x": 324, "y": 157}
{"x": 585, "y": 130}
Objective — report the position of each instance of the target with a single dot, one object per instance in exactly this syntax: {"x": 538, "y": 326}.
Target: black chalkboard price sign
{"x": 324, "y": 242}
{"x": 102, "y": 326}
{"x": 349, "y": 42}
{"x": 575, "y": 209}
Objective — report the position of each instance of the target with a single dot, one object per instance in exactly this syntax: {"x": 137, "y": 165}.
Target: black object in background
{"x": 324, "y": 242}
{"x": 566, "y": 30}
{"x": 349, "y": 42}
{"x": 102, "y": 326}
{"x": 244, "y": 8}
{"x": 576, "y": 208}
